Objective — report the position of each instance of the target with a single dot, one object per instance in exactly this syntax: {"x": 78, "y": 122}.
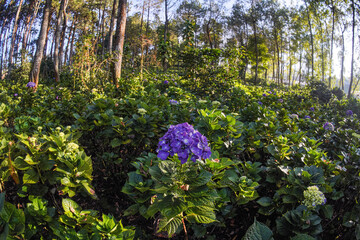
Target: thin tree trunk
{"x": 72, "y": 44}
{"x": 352, "y": 48}
{"x": 112, "y": 24}
{"x": 13, "y": 37}
{"x": 63, "y": 36}
{"x": 332, "y": 39}
{"x": 290, "y": 65}
{"x": 300, "y": 70}
{"x": 311, "y": 41}
{"x": 47, "y": 38}
{"x": 141, "y": 40}
{"x": 34, "y": 74}
{"x": 103, "y": 31}
{"x": 28, "y": 17}
{"x": 57, "y": 39}
{"x": 27, "y": 37}
{"x": 119, "y": 41}
{"x": 165, "y": 34}
{"x": 72, "y": 28}
{"x": 256, "y": 52}
{"x": 2, "y": 54}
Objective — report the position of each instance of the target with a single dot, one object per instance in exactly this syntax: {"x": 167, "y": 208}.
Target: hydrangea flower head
{"x": 260, "y": 103}
{"x": 349, "y": 113}
{"x": 166, "y": 82}
{"x": 30, "y": 84}
{"x": 269, "y": 92}
{"x": 328, "y": 126}
{"x": 15, "y": 95}
{"x": 280, "y": 100}
{"x": 185, "y": 141}
{"x": 312, "y": 109}
{"x": 307, "y": 117}
{"x": 264, "y": 95}
{"x": 173, "y": 102}
{"x": 313, "y": 197}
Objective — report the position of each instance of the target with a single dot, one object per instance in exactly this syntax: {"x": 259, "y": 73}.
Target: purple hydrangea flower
{"x": 15, "y": 95}
{"x": 269, "y": 92}
{"x": 260, "y": 103}
{"x": 328, "y": 126}
{"x": 280, "y": 100}
{"x": 307, "y": 117}
{"x": 312, "y": 109}
{"x": 166, "y": 82}
{"x": 57, "y": 98}
{"x": 30, "y": 84}
{"x": 185, "y": 141}
{"x": 264, "y": 95}
{"x": 349, "y": 113}
{"x": 173, "y": 102}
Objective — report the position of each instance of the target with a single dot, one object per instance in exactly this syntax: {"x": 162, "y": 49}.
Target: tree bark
{"x": 13, "y": 37}
{"x": 112, "y": 24}
{"x": 57, "y": 39}
{"x": 119, "y": 41}
{"x": 34, "y": 74}
{"x": 63, "y": 36}
{"x": 164, "y": 62}
{"x": 352, "y": 48}
{"x": 2, "y": 54}
{"x": 332, "y": 39}
{"x": 311, "y": 41}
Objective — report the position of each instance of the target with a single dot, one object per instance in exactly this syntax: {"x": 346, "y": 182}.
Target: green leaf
{"x": 201, "y": 215}
{"x": 70, "y": 207}
{"x": 5, "y": 232}
{"x": 2, "y": 200}
{"x": 357, "y": 231}
{"x": 115, "y": 142}
{"x": 258, "y": 231}
{"x": 328, "y": 211}
{"x": 302, "y": 237}
{"x": 264, "y": 201}
{"x": 203, "y": 178}
{"x": 170, "y": 225}
{"x": 30, "y": 177}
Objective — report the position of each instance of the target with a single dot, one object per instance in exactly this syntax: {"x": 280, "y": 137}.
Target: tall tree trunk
{"x": 256, "y": 52}
{"x": 27, "y": 26}
{"x": 72, "y": 29}
{"x": 119, "y": 41}
{"x": 2, "y": 54}
{"x": 72, "y": 44}
{"x": 352, "y": 48}
{"x": 311, "y": 40}
{"x": 332, "y": 39}
{"x": 47, "y": 34}
{"x": 34, "y": 74}
{"x": 290, "y": 65}
{"x": 112, "y": 24}
{"x": 13, "y": 37}
{"x": 142, "y": 43}
{"x": 300, "y": 70}
{"x": 62, "y": 39}
{"x": 164, "y": 62}
{"x": 27, "y": 34}
{"x": 57, "y": 39}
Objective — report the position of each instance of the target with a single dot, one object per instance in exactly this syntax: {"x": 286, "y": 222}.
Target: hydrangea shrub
{"x": 185, "y": 141}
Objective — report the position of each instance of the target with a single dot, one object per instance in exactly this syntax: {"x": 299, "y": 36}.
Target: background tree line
{"x": 261, "y": 41}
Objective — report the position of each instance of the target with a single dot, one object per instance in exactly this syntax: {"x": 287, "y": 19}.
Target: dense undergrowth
{"x": 74, "y": 162}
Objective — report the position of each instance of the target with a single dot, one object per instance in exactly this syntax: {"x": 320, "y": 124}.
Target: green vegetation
{"x": 64, "y": 150}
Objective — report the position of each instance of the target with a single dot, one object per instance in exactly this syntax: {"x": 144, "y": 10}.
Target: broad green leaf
{"x": 258, "y": 231}
{"x": 70, "y": 207}
{"x": 30, "y": 177}
{"x": 264, "y": 201}
{"x": 302, "y": 237}
{"x": 170, "y": 225}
